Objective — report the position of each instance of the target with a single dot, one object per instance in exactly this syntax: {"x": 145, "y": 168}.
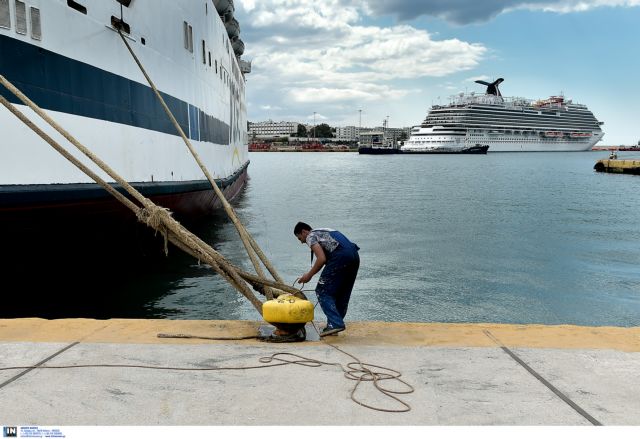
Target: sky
{"x": 328, "y": 59}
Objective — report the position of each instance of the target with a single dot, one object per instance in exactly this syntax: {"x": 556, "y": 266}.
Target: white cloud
{"x": 566, "y": 6}
{"x": 478, "y": 78}
{"x": 309, "y": 52}
{"x": 473, "y": 11}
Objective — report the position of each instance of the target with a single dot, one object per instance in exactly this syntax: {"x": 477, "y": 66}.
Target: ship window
{"x": 5, "y": 14}
{"x": 188, "y": 36}
{"x": 185, "y": 34}
{"x": 216, "y": 66}
{"x": 77, "y": 6}
{"x": 143, "y": 41}
{"x": 36, "y": 28}
{"x": 209, "y": 59}
{"x": 21, "y": 18}
{"x": 204, "y": 53}
{"x": 124, "y": 2}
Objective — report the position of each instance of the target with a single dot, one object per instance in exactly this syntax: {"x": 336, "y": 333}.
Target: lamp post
{"x": 314, "y": 126}
{"x": 359, "y": 125}
{"x": 387, "y": 129}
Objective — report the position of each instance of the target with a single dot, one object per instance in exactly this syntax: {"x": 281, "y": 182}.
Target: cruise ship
{"x": 69, "y": 58}
{"x": 505, "y": 124}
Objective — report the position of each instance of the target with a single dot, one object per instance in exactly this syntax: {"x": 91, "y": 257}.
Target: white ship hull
{"x": 426, "y": 140}
{"x": 528, "y": 146}
{"x": 74, "y": 64}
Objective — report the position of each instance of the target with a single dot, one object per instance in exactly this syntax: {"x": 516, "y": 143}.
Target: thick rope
{"x": 249, "y": 243}
{"x": 197, "y": 248}
{"x": 178, "y": 232}
{"x": 152, "y": 217}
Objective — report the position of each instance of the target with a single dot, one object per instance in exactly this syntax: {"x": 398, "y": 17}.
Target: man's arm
{"x": 317, "y": 265}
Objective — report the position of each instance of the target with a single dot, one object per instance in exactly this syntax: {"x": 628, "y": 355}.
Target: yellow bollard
{"x": 287, "y": 309}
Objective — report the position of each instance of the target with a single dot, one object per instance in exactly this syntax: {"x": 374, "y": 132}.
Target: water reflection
{"x": 109, "y": 269}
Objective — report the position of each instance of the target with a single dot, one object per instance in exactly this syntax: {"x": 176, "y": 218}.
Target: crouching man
{"x": 340, "y": 259}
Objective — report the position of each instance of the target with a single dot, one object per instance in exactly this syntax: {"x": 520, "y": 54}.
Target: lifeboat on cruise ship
{"x": 552, "y": 134}
{"x": 225, "y": 8}
{"x": 233, "y": 29}
{"x": 580, "y": 135}
{"x": 238, "y": 47}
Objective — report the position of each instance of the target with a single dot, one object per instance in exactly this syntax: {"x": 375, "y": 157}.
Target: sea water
{"x": 504, "y": 237}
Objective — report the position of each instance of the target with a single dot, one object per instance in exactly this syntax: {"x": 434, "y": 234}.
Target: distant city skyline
{"x": 397, "y": 58}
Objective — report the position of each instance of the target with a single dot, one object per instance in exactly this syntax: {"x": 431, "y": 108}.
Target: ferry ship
{"x": 68, "y": 57}
{"x": 506, "y": 124}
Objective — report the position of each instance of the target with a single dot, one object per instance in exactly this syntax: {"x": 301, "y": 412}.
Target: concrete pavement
{"x": 463, "y": 374}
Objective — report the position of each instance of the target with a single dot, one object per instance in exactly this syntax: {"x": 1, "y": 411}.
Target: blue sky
{"x": 396, "y": 58}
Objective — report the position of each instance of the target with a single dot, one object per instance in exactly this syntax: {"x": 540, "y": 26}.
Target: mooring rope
{"x": 177, "y": 234}
{"x": 249, "y": 243}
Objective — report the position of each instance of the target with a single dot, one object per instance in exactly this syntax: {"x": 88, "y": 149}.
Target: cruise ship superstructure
{"x": 506, "y": 124}
{"x": 67, "y": 56}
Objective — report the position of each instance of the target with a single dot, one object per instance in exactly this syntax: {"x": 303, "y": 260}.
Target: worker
{"x": 340, "y": 259}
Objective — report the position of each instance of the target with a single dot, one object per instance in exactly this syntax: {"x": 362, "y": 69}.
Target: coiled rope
{"x": 354, "y": 371}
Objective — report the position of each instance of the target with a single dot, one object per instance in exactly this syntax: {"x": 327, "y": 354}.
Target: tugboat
{"x": 375, "y": 144}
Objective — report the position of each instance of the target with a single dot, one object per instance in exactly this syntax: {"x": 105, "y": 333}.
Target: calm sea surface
{"x": 506, "y": 237}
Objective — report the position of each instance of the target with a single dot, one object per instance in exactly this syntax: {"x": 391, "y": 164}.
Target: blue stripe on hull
{"x": 62, "y": 84}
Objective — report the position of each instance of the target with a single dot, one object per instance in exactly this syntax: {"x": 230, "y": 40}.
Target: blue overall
{"x": 337, "y": 279}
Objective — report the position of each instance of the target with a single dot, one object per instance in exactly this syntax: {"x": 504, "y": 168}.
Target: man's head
{"x": 301, "y": 230}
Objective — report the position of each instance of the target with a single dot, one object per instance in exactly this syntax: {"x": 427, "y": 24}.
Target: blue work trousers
{"x": 335, "y": 285}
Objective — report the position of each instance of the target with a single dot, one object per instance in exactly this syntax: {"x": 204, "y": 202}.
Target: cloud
{"x": 475, "y": 11}
{"x": 307, "y": 53}
{"x": 269, "y": 107}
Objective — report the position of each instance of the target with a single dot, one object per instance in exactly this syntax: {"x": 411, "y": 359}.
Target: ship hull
{"x": 523, "y": 144}
{"x": 79, "y": 71}
{"x": 378, "y": 151}
{"x": 528, "y": 145}
{"x": 32, "y": 204}
{"x": 477, "y": 149}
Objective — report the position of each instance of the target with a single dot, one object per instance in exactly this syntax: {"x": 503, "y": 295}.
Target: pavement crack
{"x": 35, "y": 366}
{"x": 540, "y": 378}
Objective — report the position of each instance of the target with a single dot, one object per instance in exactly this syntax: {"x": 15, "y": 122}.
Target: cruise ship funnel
{"x": 492, "y": 87}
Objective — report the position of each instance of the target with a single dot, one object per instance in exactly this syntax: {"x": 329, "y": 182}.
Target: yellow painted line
{"x": 357, "y": 333}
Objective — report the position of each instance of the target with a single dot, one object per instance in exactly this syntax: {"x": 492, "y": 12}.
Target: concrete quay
{"x": 463, "y": 374}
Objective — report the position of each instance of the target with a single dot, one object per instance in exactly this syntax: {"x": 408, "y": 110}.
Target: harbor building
{"x": 272, "y": 129}
{"x": 347, "y": 134}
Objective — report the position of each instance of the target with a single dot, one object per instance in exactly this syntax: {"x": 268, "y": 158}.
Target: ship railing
{"x": 513, "y": 101}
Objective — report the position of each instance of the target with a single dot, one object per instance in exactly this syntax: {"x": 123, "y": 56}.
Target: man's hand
{"x": 305, "y": 278}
